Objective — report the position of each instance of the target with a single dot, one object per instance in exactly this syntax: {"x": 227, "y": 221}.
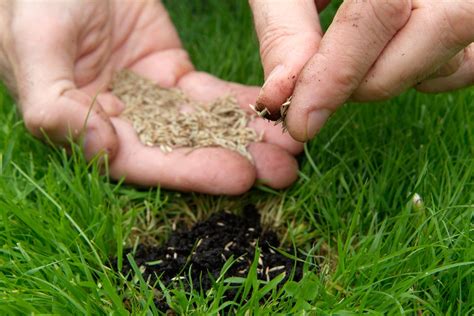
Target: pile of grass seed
{"x": 162, "y": 117}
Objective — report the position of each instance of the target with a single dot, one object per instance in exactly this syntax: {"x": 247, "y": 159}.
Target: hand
{"x": 55, "y": 56}
{"x": 373, "y": 50}
{"x": 289, "y": 33}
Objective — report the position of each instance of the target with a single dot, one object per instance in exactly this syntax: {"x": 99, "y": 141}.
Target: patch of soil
{"x": 207, "y": 246}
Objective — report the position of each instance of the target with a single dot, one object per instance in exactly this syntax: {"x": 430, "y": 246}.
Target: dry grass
{"x": 168, "y": 119}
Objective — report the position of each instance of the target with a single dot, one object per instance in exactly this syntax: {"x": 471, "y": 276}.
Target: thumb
{"x": 289, "y": 35}
{"x": 42, "y": 60}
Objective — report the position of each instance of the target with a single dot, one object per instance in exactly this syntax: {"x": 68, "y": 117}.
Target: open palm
{"x": 57, "y": 64}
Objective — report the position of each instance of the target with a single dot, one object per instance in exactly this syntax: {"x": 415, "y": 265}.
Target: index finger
{"x": 358, "y": 34}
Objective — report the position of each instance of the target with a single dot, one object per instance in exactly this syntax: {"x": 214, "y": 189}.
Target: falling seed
{"x": 271, "y": 251}
{"x": 223, "y": 257}
{"x": 228, "y": 245}
{"x": 177, "y": 278}
{"x": 260, "y": 261}
{"x": 251, "y": 229}
{"x": 417, "y": 201}
{"x": 153, "y": 263}
{"x": 283, "y": 112}
{"x": 220, "y": 224}
{"x": 263, "y": 113}
{"x": 175, "y": 256}
{"x": 277, "y": 268}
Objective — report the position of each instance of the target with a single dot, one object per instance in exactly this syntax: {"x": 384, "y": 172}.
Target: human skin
{"x": 373, "y": 50}
{"x": 55, "y": 56}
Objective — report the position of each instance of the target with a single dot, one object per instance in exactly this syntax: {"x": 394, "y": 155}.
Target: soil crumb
{"x": 168, "y": 119}
{"x": 278, "y": 117}
{"x": 206, "y": 247}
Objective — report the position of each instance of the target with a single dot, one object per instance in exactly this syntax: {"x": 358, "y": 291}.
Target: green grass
{"x": 60, "y": 220}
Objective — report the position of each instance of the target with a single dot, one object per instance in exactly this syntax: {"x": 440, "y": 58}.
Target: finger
{"x": 450, "y": 67}
{"x": 49, "y": 101}
{"x": 153, "y": 31}
{"x": 206, "y": 170}
{"x": 205, "y": 87}
{"x": 66, "y": 116}
{"x": 111, "y": 105}
{"x": 275, "y": 166}
{"x": 274, "y": 134}
{"x": 289, "y": 33}
{"x": 463, "y": 77}
{"x": 409, "y": 58}
{"x": 357, "y": 35}
{"x": 164, "y": 67}
{"x": 144, "y": 40}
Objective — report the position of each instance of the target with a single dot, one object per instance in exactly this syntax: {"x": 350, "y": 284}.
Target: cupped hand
{"x": 56, "y": 56}
{"x": 373, "y": 50}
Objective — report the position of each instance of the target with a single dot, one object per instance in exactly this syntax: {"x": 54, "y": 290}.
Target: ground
{"x": 355, "y": 209}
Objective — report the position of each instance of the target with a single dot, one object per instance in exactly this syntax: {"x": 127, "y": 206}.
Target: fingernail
{"x": 316, "y": 120}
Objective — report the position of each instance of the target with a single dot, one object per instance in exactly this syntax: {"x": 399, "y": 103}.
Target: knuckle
{"x": 391, "y": 14}
{"x": 452, "y": 66}
{"x": 346, "y": 78}
{"x": 282, "y": 40}
{"x": 459, "y": 22}
{"x": 374, "y": 91}
{"x": 465, "y": 14}
{"x": 273, "y": 37}
{"x": 38, "y": 120}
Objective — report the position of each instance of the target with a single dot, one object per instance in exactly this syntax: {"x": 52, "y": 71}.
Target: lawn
{"x": 369, "y": 244}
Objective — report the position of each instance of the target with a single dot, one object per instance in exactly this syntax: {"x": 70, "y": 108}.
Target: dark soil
{"x": 207, "y": 246}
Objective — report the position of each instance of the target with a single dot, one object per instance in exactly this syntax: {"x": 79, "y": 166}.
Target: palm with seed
{"x": 58, "y": 64}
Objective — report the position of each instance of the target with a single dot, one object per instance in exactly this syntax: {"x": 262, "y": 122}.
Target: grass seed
{"x": 161, "y": 117}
